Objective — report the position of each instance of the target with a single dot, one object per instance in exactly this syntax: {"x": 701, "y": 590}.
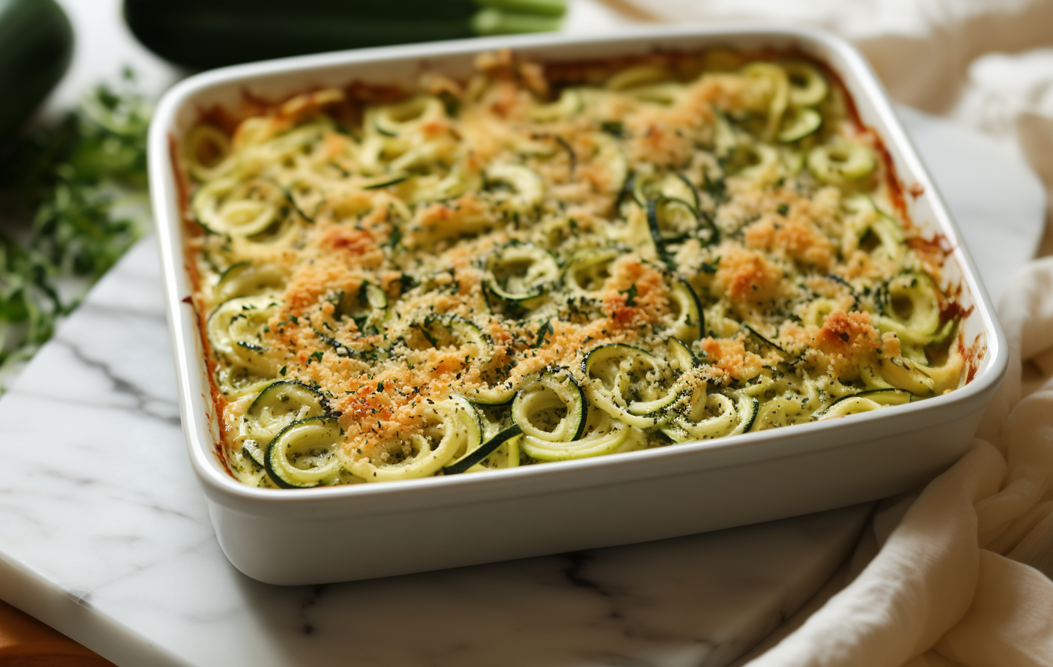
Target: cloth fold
{"x": 919, "y": 586}
{"x": 1009, "y": 623}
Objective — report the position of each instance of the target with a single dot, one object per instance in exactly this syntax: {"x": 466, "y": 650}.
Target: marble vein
{"x": 143, "y": 400}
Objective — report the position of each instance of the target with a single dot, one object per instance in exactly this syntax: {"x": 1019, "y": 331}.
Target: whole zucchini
{"x": 36, "y": 44}
{"x": 212, "y": 33}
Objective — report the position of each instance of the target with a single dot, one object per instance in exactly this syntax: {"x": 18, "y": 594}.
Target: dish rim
{"x": 643, "y": 464}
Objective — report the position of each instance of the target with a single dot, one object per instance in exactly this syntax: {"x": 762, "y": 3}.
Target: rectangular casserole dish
{"x": 364, "y": 531}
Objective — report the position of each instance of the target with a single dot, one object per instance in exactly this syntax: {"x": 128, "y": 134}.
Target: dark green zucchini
{"x": 384, "y": 181}
{"x": 882, "y": 397}
{"x": 690, "y": 324}
{"x": 521, "y": 271}
{"x": 479, "y": 454}
{"x": 749, "y": 411}
{"x": 36, "y": 43}
{"x": 439, "y": 331}
{"x": 629, "y": 383}
{"x": 277, "y": 406}
{"x": 555, "y": 396}
{"x": 680, "y": 355}
{"x": 673, "y": 185}
{"x": 214, "y": 33}
{"x": 303, "y": 454}
{"x": 763, "y": 340}
{"x": 798, "y": 124}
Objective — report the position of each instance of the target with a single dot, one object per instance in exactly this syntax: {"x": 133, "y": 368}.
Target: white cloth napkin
{"x": 960, "y": 574}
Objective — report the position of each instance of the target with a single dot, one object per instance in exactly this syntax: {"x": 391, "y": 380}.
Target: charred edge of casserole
{"x": 974, "y": 355}
{"x": 892, "y": 180}
{"x": 951, "y": 308}
{"x": 191, "y": 229}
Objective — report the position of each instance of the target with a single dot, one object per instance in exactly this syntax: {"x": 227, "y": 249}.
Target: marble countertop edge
{"x": 77, "y": 618}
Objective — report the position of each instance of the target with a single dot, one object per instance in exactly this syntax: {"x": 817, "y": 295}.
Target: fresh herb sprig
{"x": 68, "y": 199}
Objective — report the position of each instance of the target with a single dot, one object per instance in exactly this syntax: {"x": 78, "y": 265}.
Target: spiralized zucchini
{"x": 544, "y": 263}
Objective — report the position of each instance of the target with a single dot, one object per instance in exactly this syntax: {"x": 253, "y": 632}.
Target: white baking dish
{"x": 363, "y": 531}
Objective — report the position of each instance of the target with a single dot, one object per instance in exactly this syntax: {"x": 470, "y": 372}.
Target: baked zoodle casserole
{"x": 549, "y": 262}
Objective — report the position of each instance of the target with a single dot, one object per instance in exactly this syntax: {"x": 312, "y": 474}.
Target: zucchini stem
{"x": 552, "y": 8}
{"x": 491, "y": 21}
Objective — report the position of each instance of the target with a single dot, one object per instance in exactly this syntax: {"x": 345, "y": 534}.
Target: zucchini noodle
{"x": 547, "y": 263}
